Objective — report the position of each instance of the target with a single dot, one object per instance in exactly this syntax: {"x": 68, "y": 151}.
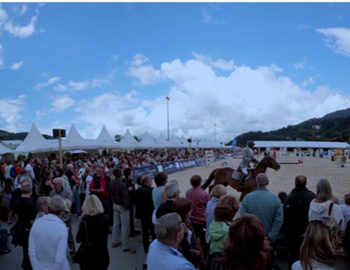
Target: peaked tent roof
{"x": 128, "y": 141}
{"x": 174, "y": 141}
{"x": 146, "y": 142}
{"x": 75, "y": 141}
{"x": 35, "y": 143}
{"x": 105, "y": 140}
{"x": 161, "y": 142}
{"x": 4, "y": 150}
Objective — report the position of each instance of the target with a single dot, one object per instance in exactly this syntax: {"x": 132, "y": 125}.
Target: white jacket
{"x": 320, "y": 210}
{"x": 48, "y": 242}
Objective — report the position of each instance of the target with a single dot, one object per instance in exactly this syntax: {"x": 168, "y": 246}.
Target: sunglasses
{"x": 323, "y": 222}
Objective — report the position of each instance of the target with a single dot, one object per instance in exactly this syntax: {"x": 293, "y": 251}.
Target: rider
{"x": 247, "y": 157}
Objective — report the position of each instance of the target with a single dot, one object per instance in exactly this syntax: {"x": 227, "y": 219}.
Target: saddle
{"x": 237, "y": 174}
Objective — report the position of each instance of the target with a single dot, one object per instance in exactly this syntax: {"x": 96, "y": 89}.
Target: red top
{"x": 104, "y": 194}
{"x": 199, "y": 199}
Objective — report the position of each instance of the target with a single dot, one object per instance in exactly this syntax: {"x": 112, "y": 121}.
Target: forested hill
{"x": 4, "y": 135}
{"x": 332, "y": 125}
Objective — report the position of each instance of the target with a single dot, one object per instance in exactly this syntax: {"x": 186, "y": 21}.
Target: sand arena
{"x": 283, "y": 180}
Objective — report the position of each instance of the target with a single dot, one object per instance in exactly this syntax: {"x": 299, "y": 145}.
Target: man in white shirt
{"x": 29, "y": 169}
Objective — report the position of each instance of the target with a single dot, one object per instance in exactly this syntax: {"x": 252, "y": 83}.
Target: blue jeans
{"x": 3, "y": 239}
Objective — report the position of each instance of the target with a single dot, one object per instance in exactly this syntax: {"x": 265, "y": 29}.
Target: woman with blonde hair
{"x": 93, "y": 229}
{"x": 321, "y": 247}
{"x": 246, "y": 246}
{"x": 323, "y": 204}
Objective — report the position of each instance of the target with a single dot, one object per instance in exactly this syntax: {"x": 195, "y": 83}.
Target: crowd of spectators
{"x": 180, "y": 229}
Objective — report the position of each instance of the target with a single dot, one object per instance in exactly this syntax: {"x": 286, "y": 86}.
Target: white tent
{"x": 174, "y": 142}
{"x": 147, "y": 142}
{"x": 128, "y": 141}
{"x": 161, "y": 142}
{"x": 74, "y": 141}
{"x": 4, "y": 150}
{"x": 34, "y": 143}
{"x": 105, "y": 140}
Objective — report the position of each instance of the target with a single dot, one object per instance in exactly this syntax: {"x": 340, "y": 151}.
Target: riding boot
{"x": 241, "y": 182}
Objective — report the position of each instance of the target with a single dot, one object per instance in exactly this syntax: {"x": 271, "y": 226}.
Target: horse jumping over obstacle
{"x": 224, "y": 176}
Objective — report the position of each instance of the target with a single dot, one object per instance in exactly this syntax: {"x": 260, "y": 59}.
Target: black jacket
{"x": 144, "y": 203}
{"x": 296, "y": 211}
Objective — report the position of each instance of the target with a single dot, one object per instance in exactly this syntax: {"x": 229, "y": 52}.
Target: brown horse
{"x": 224, "y": 176}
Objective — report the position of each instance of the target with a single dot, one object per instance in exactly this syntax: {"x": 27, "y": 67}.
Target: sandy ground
{"x": 282, "y": 180}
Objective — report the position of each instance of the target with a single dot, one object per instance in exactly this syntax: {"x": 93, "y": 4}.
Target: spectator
{"x": 99, "y": 186}
{"x": 66, "y": 216}
{"x": 118, "y": 194}
{"x": 25, "y": 211}
{"x": 65, "y": 181}
{"x": 323, "y": 205}
{"x": 346, "y": 208}
{"x": 97, "y": 230}
{"x": 266, "y": 206}
{"x": 189, "y": 246}
{"x": 158, "y": 193}
{"x": 163, "y": 253}
{"x": 172, "y": 192}
{"x": 42, "y": 207}
{"x": 296, "y": 216}
{"x": 144, "y": 210}
{"x": 199, "y": 199}
{"x": 8, "y": 190}
{"x": 225, "y": 211}
{"x": 246, "y": 247}
{"x": 48, "y": 239}
{"x": 321, "y": 246}
{"x": 216, "y": 193}
{"x": 46, "y": 183}
{"x": 282, "y": 196}
{"x": 128, "y": 175}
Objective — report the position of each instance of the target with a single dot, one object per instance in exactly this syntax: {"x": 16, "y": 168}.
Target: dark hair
{"x": 246, "y": 247}
{"x": 196, "y": 180}
{"x": 138, "y": 180}
{"x": 182, "y": 206}
{"x": 127, "y": 172}
{"x": 118, "y": 173}
{"x": 300, "y": 181}
{"x": 283, "y": 196}
{"x": 160, "y": 179}
{"x": 226, "y": 209}
{"x": 59, "y": 171}
{"x": 347, "y": 199}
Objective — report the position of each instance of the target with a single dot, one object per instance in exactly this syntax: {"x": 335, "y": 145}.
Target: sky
{"x": 230, "y": 68}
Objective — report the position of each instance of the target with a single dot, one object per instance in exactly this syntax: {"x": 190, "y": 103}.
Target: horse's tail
{"x": 209, "y": 180}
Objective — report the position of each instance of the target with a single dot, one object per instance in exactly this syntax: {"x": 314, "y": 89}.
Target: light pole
{"x": 215, "y": 132}
{"x": 167, "y": 105}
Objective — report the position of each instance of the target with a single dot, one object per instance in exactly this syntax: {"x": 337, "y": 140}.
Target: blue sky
{"x": 241, "y": 66}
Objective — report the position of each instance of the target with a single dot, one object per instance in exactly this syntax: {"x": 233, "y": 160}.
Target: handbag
{"x": 85, "y": 249}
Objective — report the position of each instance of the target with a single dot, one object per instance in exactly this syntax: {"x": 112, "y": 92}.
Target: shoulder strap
{"x": 330, "y": 209}
{"x": 163, "y": 194}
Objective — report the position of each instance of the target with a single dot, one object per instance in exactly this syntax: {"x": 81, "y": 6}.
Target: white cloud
{"x": 39, "y": 114}
{"x": 246, "y": 99}
{"x": 10, "y": 112}
{"x": 219, "y": 63}
{"x": 301, "y": 64}
{"x": 24, "y": 9}
{"x": 208, "y": 17}
{"x": 17, "y": 65}
{"x": 50, "y": 81}
{"x": 3, "y": 16}
{"x": 307, "y": 81}
{"x": 21, "y": 31}
{"x": 145, "y": 73}
{"x": 87, "y": 84}
{"x": 337, "y": 39}
{"x": 60, "y": 87}
{"x": 61, "y": 103}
